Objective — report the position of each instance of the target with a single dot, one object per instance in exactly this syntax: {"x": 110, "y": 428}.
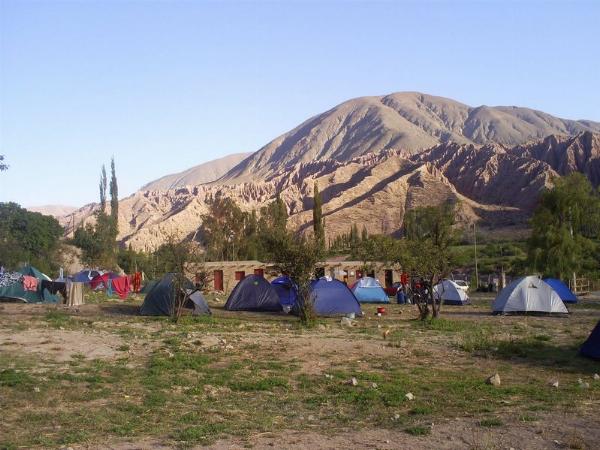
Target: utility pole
{"x": 476, "y": 269}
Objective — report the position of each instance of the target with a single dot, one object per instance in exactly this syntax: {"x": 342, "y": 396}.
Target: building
{"x": 224, "y": 275}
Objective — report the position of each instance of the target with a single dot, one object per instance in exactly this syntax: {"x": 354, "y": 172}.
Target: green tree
{"x": 102, "y": 188}
{"x": 98, "y": 243}
{"x": 28, "y": 237}
{"x": 114, "y": 201}
{"x": 296, "y": 256}
{"x": 565, "y": 229}
{"x": 426, "y": 250}
{"x": 318, "y": 226}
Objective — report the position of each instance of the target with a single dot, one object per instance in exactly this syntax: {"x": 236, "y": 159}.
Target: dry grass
{"x": 239, "y": 375}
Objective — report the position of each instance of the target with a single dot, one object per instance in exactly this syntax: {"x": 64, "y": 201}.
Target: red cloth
{"x": 100, "y": 280}
{"x": 121, "y": 286}
{"x": 136, "y": 282}
{"x": 30, "y": 283}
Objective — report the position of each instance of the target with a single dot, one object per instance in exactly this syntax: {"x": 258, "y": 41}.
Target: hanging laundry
{"x": 54, "y": 287}
{"x": 74, "y": 293}
{"x": 30, "y": 283}
{"x": 121, "y": 286}
{"x": 136, "y": 283}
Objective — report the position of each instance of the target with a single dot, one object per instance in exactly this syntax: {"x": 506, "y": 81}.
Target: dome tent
{"x": 591, "y": 347}
{"x": 253, "y": 293}
{"x": 287, "y": 291}
{"x": 331, "y": 297}
{"x": 528, "y": 294}
{"x": 85, "y": 276}
{"x": 563, "y": 291}
{"x": 368, "y": 290}
{"x": 450, "y": 293}
{"x": 12, "y": 288}
{"x": 159, "y": 300}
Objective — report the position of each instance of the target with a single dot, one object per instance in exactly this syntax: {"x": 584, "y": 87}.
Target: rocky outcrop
{"x": 494, "y": 185}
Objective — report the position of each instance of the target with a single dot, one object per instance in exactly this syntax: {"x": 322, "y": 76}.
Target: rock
{"x": 36, "y": 389}
{"x": 311, "y": 418}
{"x": 374, "y": 385}
{"x": 346, "y": 322}
{"x": 396, "y": 416}
{"x": 210, "y": 341}
{"x": 409, "y": 396}
{"x": 554, "y": 383}
{"x": 494, "y": 380}
{"x": 584, "y": 385}
{"x": 353, "y": 381}
{"x": 596, "y": 376}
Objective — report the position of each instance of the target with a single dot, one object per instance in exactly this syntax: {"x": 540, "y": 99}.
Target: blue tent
{"x": 368, "y": 290}
{"x": 286, "y": 290}
{"x": 591, "y": 347}
{"x": 562, "y": 290}
{"x": 333, "y": 298}
{"x": 253, "y": 293}
{"x": 85, "y": 276}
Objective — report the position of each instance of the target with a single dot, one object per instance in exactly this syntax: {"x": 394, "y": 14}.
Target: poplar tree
{"x": 114, "y": 200}
{"x": 318, "y": 227}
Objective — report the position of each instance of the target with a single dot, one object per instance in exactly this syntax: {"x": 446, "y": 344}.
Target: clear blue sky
{"x": 166, "y": 85}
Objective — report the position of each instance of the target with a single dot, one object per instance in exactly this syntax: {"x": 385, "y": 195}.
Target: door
{"x": 218, "y": 277}
{"x": 389, "y": 278}
{"x": 239, "y": 275}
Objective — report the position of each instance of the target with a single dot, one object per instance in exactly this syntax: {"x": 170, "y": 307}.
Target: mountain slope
{"x": 200, "y": 174}
{"x": 496, "y": 186}
{"x": 53, "y": 210}
{"x": 406, "y": 120}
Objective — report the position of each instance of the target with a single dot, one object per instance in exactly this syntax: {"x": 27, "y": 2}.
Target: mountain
{"x": 200, "y": 174}
{"x": 53, "y": 210}
{"x": 406, "y": 120}
{"x": 495, "y": 185}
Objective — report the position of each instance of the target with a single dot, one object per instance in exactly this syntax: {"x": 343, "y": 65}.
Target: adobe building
{"x": 224, "y": 275}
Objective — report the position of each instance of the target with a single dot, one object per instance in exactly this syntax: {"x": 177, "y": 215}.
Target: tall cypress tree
{"x": 102, "y": 187}
{"x": 318, "y": 227}
{"x": 114, "y": 200}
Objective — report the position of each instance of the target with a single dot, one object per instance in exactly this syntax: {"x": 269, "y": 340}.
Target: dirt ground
{"x": 529, "y": 353}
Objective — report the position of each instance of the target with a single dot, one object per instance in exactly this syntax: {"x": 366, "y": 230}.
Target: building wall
{"x": 348, "y": 271}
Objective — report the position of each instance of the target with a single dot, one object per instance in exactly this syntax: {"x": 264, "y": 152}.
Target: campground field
{"x": 101, "y": 376}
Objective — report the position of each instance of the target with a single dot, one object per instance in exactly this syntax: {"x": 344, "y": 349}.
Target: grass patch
{"x": 418, "y": 430}
{"x": 491, "y": 422}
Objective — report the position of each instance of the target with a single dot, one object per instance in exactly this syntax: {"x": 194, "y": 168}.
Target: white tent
{"x": 528, "y": 294}
{"x": 450, "y": 293}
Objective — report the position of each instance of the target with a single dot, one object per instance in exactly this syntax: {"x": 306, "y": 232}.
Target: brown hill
{"x": 497, "y": 186}
{"x": 407, "y": 120}
{"x": 200, "y": 174}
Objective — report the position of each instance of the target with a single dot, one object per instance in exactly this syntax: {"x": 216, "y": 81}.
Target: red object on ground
{"x": 121, "y": 286}
{"x": 380, "y": 310}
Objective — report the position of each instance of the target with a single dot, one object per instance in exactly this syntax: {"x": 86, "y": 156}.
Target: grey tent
{"x": 159, "y": 301}
{"x": 528, "y": 294}
{"x": 253, "y": 293}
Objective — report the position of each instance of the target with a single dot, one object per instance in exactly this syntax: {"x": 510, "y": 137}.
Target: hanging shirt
{"x": 30, "y": 283}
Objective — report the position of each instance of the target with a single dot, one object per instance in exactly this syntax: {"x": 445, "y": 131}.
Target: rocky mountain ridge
{"x": 495, "y": 185}
{"x": 412, "y": 121}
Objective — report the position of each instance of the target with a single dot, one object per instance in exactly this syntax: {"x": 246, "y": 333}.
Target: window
{"x": 239, "y": 275}
{"x": 259, "y": 272}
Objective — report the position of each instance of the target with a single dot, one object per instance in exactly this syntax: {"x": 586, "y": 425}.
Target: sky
{"x": 166, "y": 85}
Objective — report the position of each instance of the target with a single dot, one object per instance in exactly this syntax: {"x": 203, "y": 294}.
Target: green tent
{"x": 33, "y": 272}
{"x": 15, "y": 290}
